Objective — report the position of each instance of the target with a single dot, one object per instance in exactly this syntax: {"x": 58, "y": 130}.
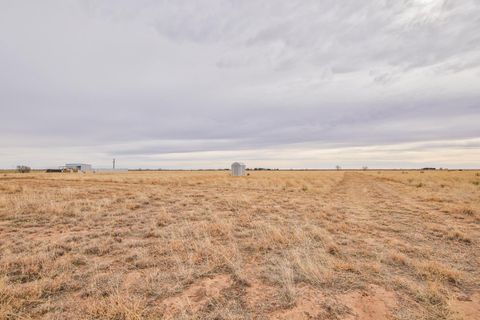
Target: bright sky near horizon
{"x": 200, "y": 84}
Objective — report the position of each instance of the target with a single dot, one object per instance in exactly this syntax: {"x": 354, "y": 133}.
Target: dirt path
{"x": 388, "y": 220}
{"x": 388, "y": 227}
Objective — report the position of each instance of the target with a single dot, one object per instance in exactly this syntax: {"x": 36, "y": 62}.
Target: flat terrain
{"x": 272, "y": 245}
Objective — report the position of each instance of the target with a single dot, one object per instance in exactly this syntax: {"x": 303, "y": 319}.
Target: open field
{"x": 273, "y": 245}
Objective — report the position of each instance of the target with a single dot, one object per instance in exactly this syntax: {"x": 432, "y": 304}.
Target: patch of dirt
{"x": 468, "y": 307}
{"x": 308, "y": 305}
{"x": 196, "y": 296}
{"x": 375, "y": 303}
{"x": 258, "y": 296}
{"x": 131, "y": 279}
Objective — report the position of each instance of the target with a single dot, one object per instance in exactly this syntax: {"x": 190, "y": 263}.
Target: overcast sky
{"x": 199, "y": 84}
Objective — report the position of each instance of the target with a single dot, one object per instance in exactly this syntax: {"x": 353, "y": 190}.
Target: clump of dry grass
{"x": 116, "y": 306}
{"x": 457, "y": 235}
{"x": 399, "y": 259}
{"x": 467, "y": 211}
{"x": 435, "y": 271}
{"x": 283, "y": 274}
{"x": 433, "y": 297}
{"x": 7, "y": 303}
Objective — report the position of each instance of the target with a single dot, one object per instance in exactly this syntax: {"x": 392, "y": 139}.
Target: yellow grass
{"x": 204, "y": 245}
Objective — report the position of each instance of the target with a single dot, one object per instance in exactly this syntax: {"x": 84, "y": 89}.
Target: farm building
{"x": 79, "y": 167}
{"x": 238, "y": 169}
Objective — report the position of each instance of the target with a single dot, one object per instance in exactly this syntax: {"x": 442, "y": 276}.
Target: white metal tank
{"x": 238, "y": 169}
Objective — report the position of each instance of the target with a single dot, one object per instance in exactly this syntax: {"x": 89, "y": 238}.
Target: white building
{"x": 79, "y": 167}
{"x": 238, "y": 169}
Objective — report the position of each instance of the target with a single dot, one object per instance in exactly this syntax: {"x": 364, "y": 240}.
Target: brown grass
{"x": 204, "y": 245}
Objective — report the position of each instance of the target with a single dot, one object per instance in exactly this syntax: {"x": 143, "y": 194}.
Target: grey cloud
{"x": 142, "y": 78}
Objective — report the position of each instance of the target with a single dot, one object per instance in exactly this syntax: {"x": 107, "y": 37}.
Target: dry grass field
{"x": 272, "y": 245}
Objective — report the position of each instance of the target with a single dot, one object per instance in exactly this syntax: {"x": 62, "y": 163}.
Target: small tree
{"x": 23, "y": 169}
{"x": 364, "y": 168}
{"x": 338, "y": 167}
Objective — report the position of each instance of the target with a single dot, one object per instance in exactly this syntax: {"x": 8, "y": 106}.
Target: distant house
{"x": 79, "y": 167}
{"x": 238, "y": 169}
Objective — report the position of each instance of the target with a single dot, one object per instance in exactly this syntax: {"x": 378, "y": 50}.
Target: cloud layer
{"x": 184, "y": 84}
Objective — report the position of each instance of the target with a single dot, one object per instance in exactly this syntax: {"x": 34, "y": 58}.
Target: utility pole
{"x": 113, "y": 163}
